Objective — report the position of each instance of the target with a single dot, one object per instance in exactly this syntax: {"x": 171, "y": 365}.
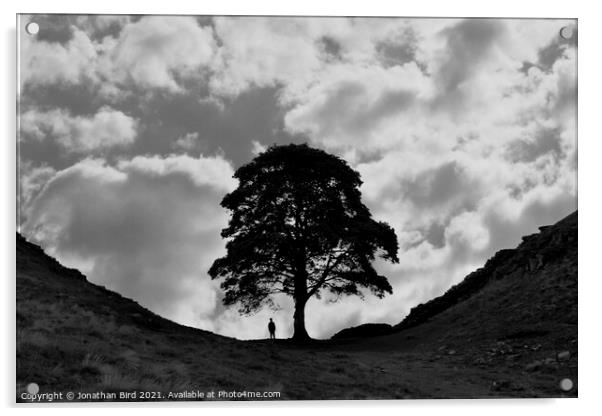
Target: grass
{"x": 75, "y": 336}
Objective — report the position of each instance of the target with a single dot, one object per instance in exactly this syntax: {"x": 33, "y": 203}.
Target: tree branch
{"x": 314, "y": 288}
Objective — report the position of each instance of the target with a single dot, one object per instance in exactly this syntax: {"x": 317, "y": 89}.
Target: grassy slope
{"x": 76, "y": 336}
{"x": 512, "y": 317}
{"x": 533, "y": 284}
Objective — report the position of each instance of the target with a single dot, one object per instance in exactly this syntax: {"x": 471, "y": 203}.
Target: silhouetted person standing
{"x": 272, "y": 329}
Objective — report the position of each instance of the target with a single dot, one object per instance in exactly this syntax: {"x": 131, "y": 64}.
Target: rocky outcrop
{"x": 553, "y": 246}
{"x": 520, "y": 293}
{"x": 362, "y": 331}
{"x": 31, "y": 256}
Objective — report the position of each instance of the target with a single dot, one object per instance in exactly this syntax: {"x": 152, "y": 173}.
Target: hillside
{"x": 517, "y": 312}
{"x": 508, "y": 330}
{"x": 519, "y": 292}
{"x": 75, "y": 336}
{"x": 535, "y": 285}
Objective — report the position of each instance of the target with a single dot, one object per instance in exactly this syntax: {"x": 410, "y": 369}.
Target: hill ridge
{"x": 535, "y": 250}
{"x": 553, "y": 243}
{"x": 31, "y": 258}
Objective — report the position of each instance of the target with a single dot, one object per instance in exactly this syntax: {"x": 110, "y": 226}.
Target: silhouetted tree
{"x": 299, "y": 227}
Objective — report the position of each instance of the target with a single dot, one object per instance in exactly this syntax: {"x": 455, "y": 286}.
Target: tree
{"x": 299, "y": 227}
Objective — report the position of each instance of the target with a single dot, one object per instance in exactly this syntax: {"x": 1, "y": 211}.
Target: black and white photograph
{"x": 295, "y": 208}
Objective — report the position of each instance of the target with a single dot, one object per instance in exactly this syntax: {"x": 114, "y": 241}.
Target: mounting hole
{"x": 566, "y": 384}
{"x": 32, "y": 28}
{"x": 32, "y": 388}
{"x": 567, "y": 32}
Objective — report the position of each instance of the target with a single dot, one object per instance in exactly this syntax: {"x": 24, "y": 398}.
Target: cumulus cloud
{"x": 51, "y": 62}
{"x": 291, "y": 52}
{"x": 214, "y": 171}
{"x": 31, "y": 181}
{"x": 80, "y": 134}
{"x": 262, "y": 52}
{"x": 147, "y": 228}
{"x": 151, "y": 52}
{"x": 101, "y": 25}
{"x": 468, "y": 229}
{"x": 187, "y": 142}
{"x": 257, "y": 148}
{"x": 350, "y": 104}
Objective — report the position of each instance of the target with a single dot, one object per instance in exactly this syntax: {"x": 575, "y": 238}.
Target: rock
{"x": 535, "y": 365}
{"x": 564, "y": 356}
{"x": 500, "y": 385}
{"x": 535, "y": 263}
{"x": 363, "y": 331}
{"x": 480, "y": 361}
{"x": 550, "y": 363}
{"x": 451, "y": 352}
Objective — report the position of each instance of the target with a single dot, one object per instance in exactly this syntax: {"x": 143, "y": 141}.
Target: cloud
{"x": 151, "y": 52}
{"x": 80, "y": 134}
{"x": 349, "y": 105}
{"x": 447, "y": 184}
{"x": 544, "y": 142}
{"x": 99, "y": 26}
{"x": 187, "y": 142}
{"x": 468, "y": 45}
{"x": 291, "y": 52}
{"x": 257, "y": 148}
{"x": 261, "y": 52}
{"x": 44, "y": 62}
{"x": 213, "y": 171}
{"x": 31, "y": 180}
{"x": 468, "y": 229}
{"x": 154, "y": 50}
{"x": 147, "y": 228}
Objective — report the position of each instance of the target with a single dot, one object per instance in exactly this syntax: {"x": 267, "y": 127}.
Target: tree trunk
{"x": 300, "y": 333}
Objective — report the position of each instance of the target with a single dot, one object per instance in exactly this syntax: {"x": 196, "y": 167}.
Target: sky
{"x": 131, "y": 127}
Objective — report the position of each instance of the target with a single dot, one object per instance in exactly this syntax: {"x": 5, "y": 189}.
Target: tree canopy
{"x": 298, "y": 227}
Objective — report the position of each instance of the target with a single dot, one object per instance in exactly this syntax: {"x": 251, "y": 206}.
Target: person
{"x": 272, "y": 329}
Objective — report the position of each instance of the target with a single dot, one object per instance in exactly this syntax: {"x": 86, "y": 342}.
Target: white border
{"x": 590, "y": 287}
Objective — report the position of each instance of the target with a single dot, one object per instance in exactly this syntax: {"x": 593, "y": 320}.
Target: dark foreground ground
{"x": 514, "y": 337}
{"x": 180, "y": 361}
